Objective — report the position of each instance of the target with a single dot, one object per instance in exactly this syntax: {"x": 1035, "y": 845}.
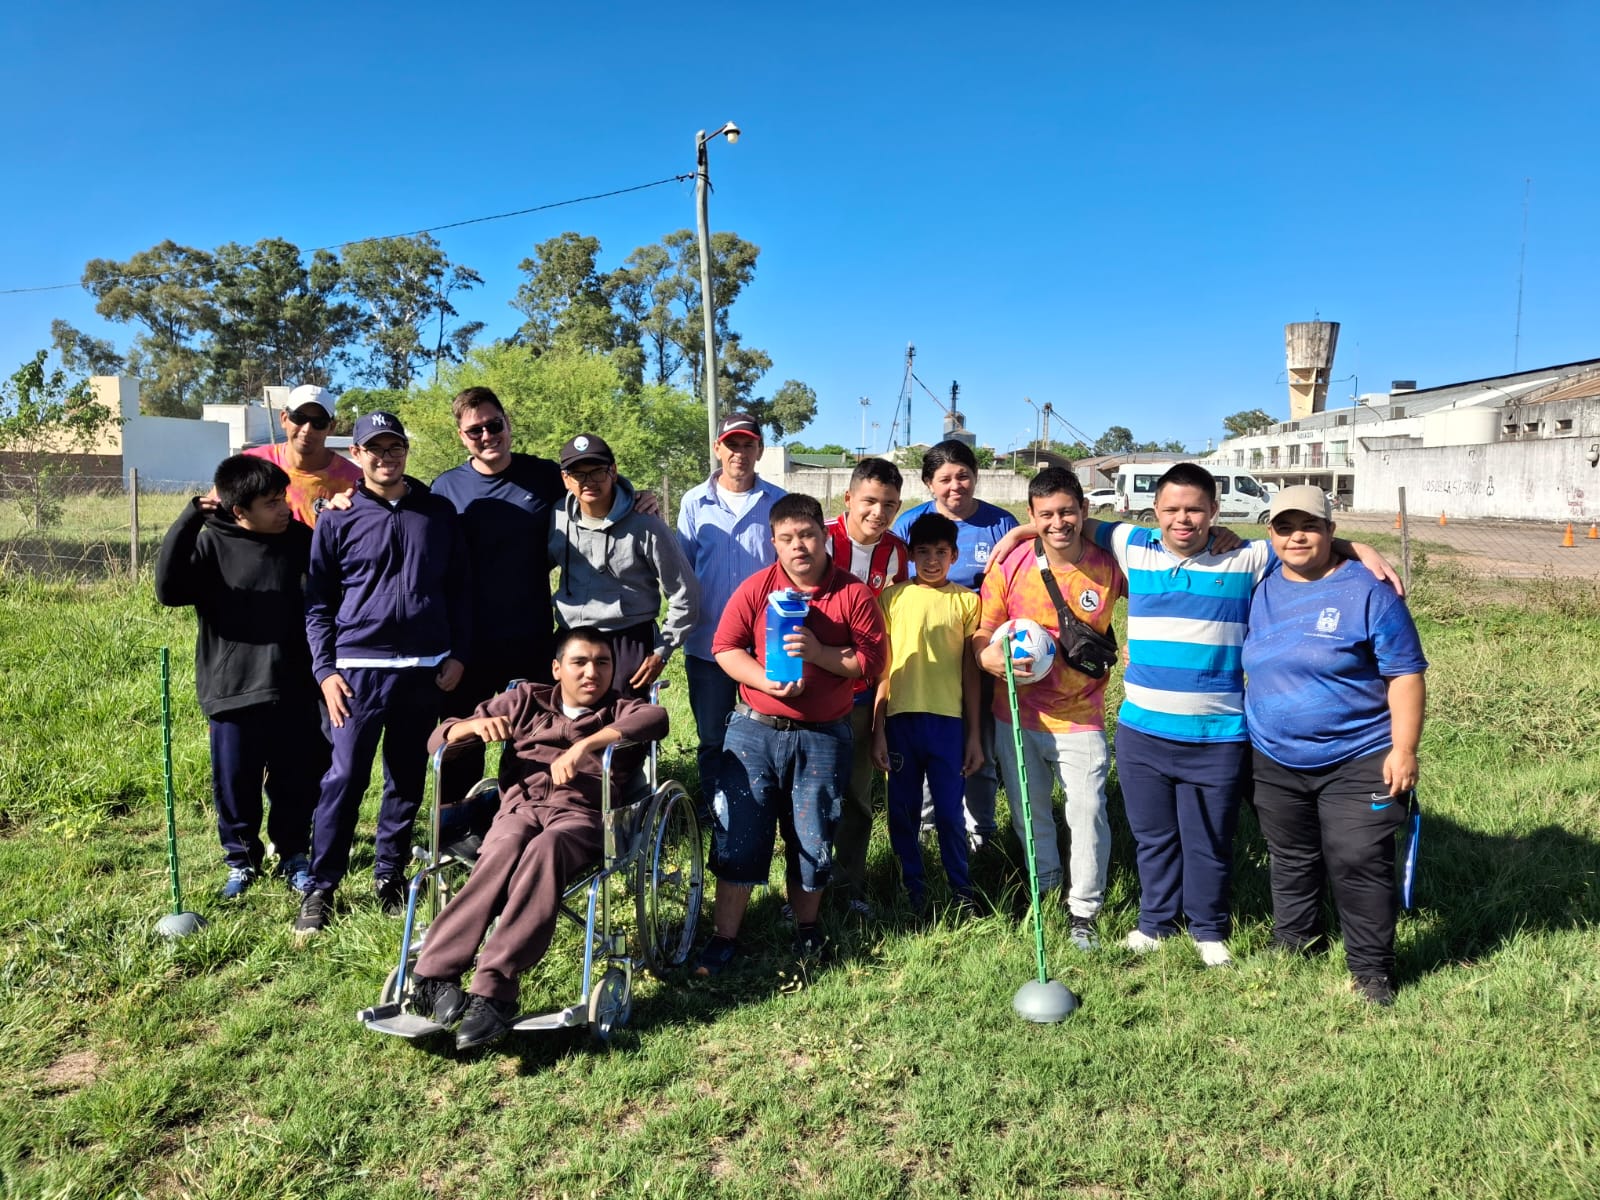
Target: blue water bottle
{"x": 786, "y": 614}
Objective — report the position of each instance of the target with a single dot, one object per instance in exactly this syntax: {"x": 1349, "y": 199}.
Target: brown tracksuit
{"x": 541, "y": 838}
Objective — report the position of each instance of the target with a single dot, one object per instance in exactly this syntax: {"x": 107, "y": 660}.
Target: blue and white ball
{"x": 1028, "y": 640}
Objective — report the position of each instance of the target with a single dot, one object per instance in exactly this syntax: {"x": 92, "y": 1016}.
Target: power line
{"x": 521, "y": 212}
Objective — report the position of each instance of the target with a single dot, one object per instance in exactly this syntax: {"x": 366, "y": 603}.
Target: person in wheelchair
{"x": 548, "y": 829}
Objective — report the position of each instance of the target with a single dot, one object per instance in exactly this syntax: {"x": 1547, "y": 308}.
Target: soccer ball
{"x": 1028, "y": 639}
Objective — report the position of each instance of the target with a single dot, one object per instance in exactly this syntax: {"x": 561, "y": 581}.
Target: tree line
{"x": 217, "y": 325}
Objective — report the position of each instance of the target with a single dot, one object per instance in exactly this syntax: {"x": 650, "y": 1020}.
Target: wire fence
{"x": 71, "y": 526}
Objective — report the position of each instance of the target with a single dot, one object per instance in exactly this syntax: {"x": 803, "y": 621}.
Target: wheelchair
{"x": 653, "y": 853}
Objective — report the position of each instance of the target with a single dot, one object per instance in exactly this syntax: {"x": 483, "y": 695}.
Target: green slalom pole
{"x": 1027, "y": 824}
{"x": 1042, "y": 1000}
{"x": 177, "y": 923}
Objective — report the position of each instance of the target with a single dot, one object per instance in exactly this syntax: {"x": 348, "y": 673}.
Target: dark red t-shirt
{"x": 843, "y": 613}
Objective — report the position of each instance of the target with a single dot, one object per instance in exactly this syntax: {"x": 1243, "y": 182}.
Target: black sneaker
{"x": 486, "y": 1021}
{"x": 1374, "y": 989}
{"x": 391, "y": 893}
{"x": 809, "y": 942}
{"x": 315, "y": 911}
{"x": 1084, "y": 936}
{"x": 441, "y": 1000}
{"x": 715, "y": 957}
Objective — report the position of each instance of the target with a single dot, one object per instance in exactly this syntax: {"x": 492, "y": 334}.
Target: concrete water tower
{"x": 1308, "y": 346}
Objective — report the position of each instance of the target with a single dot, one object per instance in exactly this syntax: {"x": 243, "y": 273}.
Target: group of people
{"x": 342, "y": 604}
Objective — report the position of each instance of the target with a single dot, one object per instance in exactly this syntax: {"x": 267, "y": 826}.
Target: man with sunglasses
{"x": 316, "y": 474}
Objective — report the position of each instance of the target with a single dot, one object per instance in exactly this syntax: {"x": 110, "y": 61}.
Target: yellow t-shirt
{"x": 310, "y": 490}
{"x": 928, "y": 632}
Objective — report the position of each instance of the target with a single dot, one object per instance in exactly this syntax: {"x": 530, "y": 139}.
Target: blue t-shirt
{"x": 976, "y": 538}
{"x": 1316, "y": 657}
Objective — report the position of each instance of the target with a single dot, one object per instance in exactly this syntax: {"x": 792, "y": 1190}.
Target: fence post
{"x": 1405, "y": 545}
{"x": 133, "y": 521}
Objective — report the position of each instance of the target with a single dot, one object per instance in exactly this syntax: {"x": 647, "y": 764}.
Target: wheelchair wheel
{"x": 610, "y": 1005}
{"x": 669, "y": 880}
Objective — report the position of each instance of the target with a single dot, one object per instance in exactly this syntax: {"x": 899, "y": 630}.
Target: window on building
{"x": 1294, "y": 456}
{"x": 1564, "y": 425}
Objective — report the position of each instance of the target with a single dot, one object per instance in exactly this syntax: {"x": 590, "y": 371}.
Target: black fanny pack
{"x": 1083, "y": 647}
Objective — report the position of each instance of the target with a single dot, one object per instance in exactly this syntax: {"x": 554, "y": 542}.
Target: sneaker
{"x": 297, "y": 873}
{"x": 718, "y": 953}
{"x": 391, "y": 893}
{"x": 1214, "y": 954}
{"x": 239, "y": 881}
{"x": 788, "y": 913}
{"x": 1374, "y": 989}
{"x": 441, "y": 1000}
{"x": 315, "y": 911}
{"x": 809, "y": 942}
{"x": 1084, "y": 936}
{"x": 860, "y": 908}
{"x": 1140, "y": 942}
{"x": 486, "y": 1021}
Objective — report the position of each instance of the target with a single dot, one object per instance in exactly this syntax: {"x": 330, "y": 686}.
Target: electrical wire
{"x": 521, "y": 212}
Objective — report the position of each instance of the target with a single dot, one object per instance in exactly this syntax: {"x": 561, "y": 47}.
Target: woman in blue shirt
{"x": 1334, "y": 706}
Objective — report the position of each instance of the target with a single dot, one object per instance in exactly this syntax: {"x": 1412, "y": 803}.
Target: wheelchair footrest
{"x": 388, "y": 1018}
{"x": 571, "y": 1017}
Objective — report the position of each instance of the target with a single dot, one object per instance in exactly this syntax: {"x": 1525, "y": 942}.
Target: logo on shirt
{"x": 1089, "y": 600}
{"x": 1328, "y": 620}
{"x": 875, "y": 581}
{"x": 317, "y": 505}
{"x": 980, "y": 552}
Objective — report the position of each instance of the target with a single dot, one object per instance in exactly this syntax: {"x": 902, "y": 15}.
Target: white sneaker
{"x": 1141, "y": 943}
{"x": 1214, "y": 954}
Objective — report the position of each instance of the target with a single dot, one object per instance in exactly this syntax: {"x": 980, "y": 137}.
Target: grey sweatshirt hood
{"x": 615, "y": 571}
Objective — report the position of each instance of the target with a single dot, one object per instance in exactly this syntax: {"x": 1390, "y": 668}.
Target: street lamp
{"x": 1035, "y": 408}
{"x": 865, "y": 404}
{"x": 702, "y": 185}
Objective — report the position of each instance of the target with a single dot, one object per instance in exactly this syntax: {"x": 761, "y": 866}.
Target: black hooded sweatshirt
{"x": 245, "y": 587}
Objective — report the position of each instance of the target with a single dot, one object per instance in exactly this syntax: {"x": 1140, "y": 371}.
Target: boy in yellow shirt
{"x": 926, "y": 718}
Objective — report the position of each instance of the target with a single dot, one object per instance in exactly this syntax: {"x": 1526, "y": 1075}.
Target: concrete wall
{"x": 997, "y": 487}
{"x": 1549, "y": 479}
{"x": 248, "y": 424}
{"x": 170, "y": 453}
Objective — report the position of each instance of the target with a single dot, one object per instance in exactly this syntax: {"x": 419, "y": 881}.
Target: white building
{"x": 1530, "y": 431}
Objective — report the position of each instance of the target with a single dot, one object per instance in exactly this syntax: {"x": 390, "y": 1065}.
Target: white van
{"x": 1240, "y": 496}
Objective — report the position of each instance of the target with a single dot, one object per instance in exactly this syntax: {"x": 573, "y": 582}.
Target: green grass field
{"x": 230, "y": 1064}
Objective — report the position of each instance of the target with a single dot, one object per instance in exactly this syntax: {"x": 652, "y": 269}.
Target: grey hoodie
{"x": 613, "y": 576}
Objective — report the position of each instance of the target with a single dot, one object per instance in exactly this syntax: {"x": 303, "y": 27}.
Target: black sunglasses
{"x": 320, "y": 421}
{"x": 493, "y": 428}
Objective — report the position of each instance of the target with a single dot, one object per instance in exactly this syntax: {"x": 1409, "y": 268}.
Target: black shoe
{"x": 1083, "y": 933}
{"x": 391, "y": 893}
{"x": 1375, "y": 989}
{"x": 441, "y": 1000}
{"x": 486, "y": 1021}
{"x": 809, "y": 942}
{"x": 315, "y": 911}
{"x": 715, "y": 957}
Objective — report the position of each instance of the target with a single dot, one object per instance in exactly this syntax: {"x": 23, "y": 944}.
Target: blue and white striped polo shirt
{"x": 1186, "y": 626}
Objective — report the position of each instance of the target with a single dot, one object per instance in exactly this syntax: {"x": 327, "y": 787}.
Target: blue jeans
{"x": 712, "y": 696}
{"x": 791, "y": 781}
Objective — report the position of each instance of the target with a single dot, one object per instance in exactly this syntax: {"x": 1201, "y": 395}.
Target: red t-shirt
{"x": 843, "y": 613}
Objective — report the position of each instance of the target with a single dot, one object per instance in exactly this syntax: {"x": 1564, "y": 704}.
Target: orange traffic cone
{"x": 1594, "y": 532}
{"x": 1566, "y": 542}
{"x": 1442, "y": 521}
{"x": 1397, "y": 520}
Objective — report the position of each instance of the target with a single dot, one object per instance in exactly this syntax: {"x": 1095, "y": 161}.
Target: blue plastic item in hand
{"x": 786, "y": 614}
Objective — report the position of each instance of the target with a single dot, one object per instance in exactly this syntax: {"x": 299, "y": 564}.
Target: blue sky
{"x": 1112, "y": 208}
